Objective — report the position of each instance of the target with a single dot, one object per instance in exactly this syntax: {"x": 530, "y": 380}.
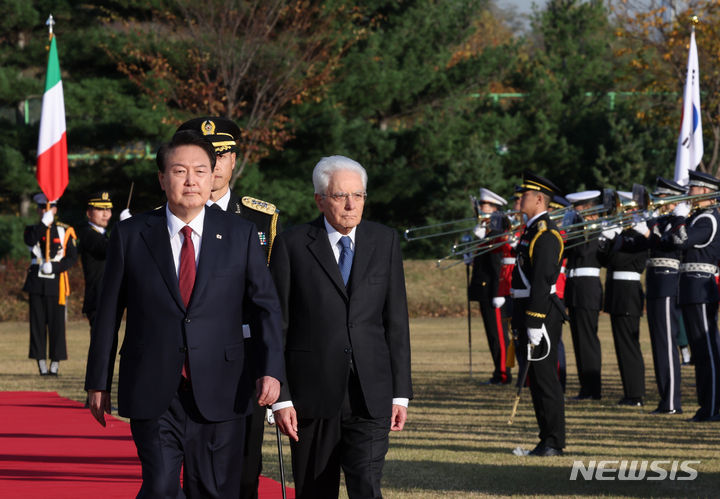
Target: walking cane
{"x": 271, "y": 420}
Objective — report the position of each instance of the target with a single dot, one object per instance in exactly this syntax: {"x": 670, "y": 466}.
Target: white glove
{"x": 479, "y": 231}
{"x": 125, "y": 214}
{"x": 498, "y": 301}
{"x": 46, "y": 268}
{"x": 47, "y": 218}
{"x": 611, "y": 232}
{"x": 535, "y": 335}
{"x": 641, "y": 227}
{"x": 681, "y": 210}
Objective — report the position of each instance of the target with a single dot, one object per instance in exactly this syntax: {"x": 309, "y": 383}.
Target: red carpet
{"x": 51, "y": 447}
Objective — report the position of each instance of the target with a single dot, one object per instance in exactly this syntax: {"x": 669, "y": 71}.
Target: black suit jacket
{"x": 140, "y": 276}
{"x": 326, "y": 325}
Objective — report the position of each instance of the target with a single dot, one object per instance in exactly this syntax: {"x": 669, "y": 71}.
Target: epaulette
{"x": 258, "y": 205}
{"x": 542, "y": 225}
{"x": 61, "y": 224}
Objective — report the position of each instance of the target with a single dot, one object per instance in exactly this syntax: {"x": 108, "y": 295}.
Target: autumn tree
{"x": 657, "y": 37}
{"x": 248, "y": 60}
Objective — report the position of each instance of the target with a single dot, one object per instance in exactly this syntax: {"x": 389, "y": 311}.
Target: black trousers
{"x": 588, "y": 354}
{"x": 47, "y": 321}
{"x": 545, "y": 388}
{"x": 497, "y": 337}
{"x": 626, "y": 336}
{"x": 662, "y": 315}
{"x": 252, "y": 452}
{"x": 209, "y": 452}
{"x": 352, "y": 440}
{"x": 701, "y": 323}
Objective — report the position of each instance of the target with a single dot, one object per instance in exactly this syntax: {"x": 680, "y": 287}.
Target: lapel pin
{"x": 219, "y": 236}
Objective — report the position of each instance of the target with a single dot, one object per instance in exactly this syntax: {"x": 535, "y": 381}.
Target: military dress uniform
{"x": 93, "y": 242}
{"x": 485, "y": 289}
{"x": 224, "y": 134}
{"x": 583, "y": 298}
{"x": 699, "y": 240}
{"x": 535, "y": 304}
{"x": 624, "y": 302}
{"x": 662, "y": 293}
{"x": 48, "y": 292}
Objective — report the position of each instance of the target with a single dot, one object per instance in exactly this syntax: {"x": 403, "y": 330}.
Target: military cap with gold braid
{"x": 532, "y": 182}
{"x": 222, "y": 132}
{"x": 100, "y": 200}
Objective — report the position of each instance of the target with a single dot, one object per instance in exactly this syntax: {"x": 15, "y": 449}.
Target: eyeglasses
{"x": 343, "y": 196}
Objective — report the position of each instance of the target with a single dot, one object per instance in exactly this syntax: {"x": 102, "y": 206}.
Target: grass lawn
{"x": 457, "y": 442}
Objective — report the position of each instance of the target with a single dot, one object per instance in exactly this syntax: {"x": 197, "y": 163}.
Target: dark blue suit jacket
{"x": 140, "y": 276}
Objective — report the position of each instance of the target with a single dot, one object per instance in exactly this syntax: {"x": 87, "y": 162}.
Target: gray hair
{"x": 331, "y": 164}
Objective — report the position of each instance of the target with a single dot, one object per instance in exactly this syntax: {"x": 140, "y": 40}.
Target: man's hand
{"x": 535, "y": 335}
{"x": 47, "y": 218}
{"x": 46, "y": 268}
{"x": 268, "y": 390}
{"x": 125, "y": 214}
{"x": 99, "y": 401}
{"x": 498, "y": 301}
{"x": 398, "y": 418}
{"x": 286, "y": 420}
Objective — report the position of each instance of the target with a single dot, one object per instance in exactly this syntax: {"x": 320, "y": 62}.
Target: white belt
{"x": 671, "y": 263}
{"x": 525, "y": 293}
{"x": 698, "y": 267}
{"x": 584, "y": 272}
{"x": 508, "y": 261}
{"x": 626, "y": 276}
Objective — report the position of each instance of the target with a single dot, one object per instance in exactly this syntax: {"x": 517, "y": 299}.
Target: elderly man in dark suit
{"x": 347, "y": 345}
{"x": 183, "y": 382}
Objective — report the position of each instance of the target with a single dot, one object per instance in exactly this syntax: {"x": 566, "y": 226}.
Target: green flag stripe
{"x": 53, "y": 69}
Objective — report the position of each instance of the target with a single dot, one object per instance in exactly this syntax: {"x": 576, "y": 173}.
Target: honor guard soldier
{"x": 662, "y": 292}
{"x": 485, "y": 286}
{"x": 53, "y": 248}
{"x": 583, "y": 298}
{"x": 224, "y": 135}
{"x": 698, "y": 292}
{"x": 538, "y": 312}
{"x": 624, "y": 302}
{"x": 93, "y": 242}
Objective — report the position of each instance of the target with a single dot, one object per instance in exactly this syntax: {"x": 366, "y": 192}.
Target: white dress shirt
{"x": 174, "y": 224}
{"x": 222, "y": 202}
{"x": 99, "y": 229}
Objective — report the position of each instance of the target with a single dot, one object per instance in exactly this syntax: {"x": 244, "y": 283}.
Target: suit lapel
{"x": 157, "y": 239}
{"x": 319, "y": 247}
{"x": 210, "y": 250}
{"x": 364, "y": 250}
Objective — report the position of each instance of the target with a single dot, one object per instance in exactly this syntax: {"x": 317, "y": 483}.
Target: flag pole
{"x": 49, "y": 23}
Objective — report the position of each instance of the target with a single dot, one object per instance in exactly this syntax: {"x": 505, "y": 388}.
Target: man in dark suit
{"x": 183, "y": 382}
{"x": 93, "y": 243}
{"x": 347, "y": 343}
{"x": 225, "y": 136}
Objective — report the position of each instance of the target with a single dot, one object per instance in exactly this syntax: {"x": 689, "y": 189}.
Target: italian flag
{"x": 52, "y": 165}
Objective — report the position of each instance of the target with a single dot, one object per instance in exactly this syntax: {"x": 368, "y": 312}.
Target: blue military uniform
{"x": 662, "y": 308}
{"x": 699, "y": 240}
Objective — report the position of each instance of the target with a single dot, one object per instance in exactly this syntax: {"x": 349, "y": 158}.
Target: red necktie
{"x": 186, "y": 273}
{"x": 186, "y": 278}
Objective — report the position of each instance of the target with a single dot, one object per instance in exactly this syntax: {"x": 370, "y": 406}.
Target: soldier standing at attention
{"x": 225, "y": 135}
{"x": 93, "y": 239}
{"x": 538, "y": 312}
{"x": 53, "y": 248}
